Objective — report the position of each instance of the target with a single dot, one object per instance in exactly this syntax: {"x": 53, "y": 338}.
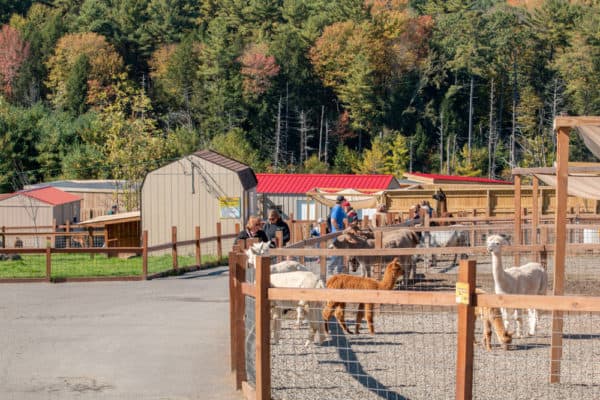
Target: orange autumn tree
{"x": 257, "y": 69}
{"x": 104, "y": 63}
{"x": 14, "y": 50}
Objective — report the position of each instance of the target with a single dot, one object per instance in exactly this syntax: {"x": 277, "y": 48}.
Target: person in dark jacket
{"x": 276, "y": 224}
{"x": 253, "y": 230}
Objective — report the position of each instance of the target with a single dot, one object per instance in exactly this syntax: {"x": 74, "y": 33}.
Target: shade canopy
{"x": 359, "y": 199}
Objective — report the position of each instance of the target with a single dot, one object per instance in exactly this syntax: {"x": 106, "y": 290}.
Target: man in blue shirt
{"x": 336, "y": 263}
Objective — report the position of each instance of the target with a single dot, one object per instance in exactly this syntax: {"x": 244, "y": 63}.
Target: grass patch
{"x": 97, "y": 265}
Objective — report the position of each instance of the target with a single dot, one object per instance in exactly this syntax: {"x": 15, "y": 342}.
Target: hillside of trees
{"x": 106, "y": 89}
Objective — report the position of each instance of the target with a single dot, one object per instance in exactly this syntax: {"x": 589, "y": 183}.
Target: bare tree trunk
{"x": 469, "y": 141}
{"x": 448, "y": 155}
{"x": 441, "y": 134}
{"x": 410, "y": 162}
{"x": 277, "y": 136}
{"x": 326, "y": 140}
{"x": 491, "y": 132}
{"x": 321, "y": 130}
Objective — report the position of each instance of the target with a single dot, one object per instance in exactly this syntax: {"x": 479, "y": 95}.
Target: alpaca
{"x": 492, "y": 318}
{"x": 530, "y": 278}
{"x": 342, "y": 281}
{"x": 400, "y": 238}
{"x": 441, "y": 204}
{"x": 262, "y": 249}
{"x": 304, "y": 280}
{"x": 449, "y": 238}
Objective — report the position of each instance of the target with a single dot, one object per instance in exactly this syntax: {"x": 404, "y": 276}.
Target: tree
{"x": 257, "y": 68}
{"x": 104, "y": 64}
{"x": 346, "y": 160}
{"x": 14, "y": 51}
{"x": 397, "y": 157}
{"x": 233, "y": 144}
{"x": 314, "y": 166}
{"x": 77, "y": 86}
{"x": 373, "y": 159}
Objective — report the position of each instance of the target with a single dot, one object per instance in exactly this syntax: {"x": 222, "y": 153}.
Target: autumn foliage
{"x": 13, "y": 51}
{"x": 257, "y": 68}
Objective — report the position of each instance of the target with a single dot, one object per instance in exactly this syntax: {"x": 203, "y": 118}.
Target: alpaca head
{"x": 495, "y": 243}
{"x": 256, "y": 249}
{"x": 394, "y": 268}
{"x": 439, "y": 195}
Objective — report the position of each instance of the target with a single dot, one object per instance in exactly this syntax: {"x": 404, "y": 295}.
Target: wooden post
{"x": 297, "y": 232}
{"x": 488, "y": 205}
{"x": 560, "y": 247}
{"x": 466, "y": 326}
{"x": 518, "y": 220}
{"x": 237, "y": 228}
{"x": 174, "y": 247}
{"x": 54, "y": 229}
{"x": 233, "y": 350}
{"x": 48, "y": 258}
{"x": 3, "y": 237}
{"x": 68, "y": 236}
{"x": 145, "y": 254}
{"x": 239, "y": 331}
{"x": 279, "y": 243}
{"x": 323, "y": 261}
{"x": 263, "y": 332}
{"x": 535, "y": 208}
{"x": 219, "y": 242}
{"x": 198, "y": 249}
{"x": 378, "y": 245}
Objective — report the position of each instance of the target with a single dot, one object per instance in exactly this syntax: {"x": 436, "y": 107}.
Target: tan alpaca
{"x": 492, "y": 317}
{"x": 343, "y": 281}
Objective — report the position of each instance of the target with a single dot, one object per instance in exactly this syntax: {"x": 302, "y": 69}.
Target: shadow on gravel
{"x": 353, "y": 367}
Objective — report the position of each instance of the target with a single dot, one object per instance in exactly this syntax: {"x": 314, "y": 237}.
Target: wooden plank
{"x": 562, "y": 303}
{"x": 466, "y": 334}
{"x": 571, "y": 122}
{"x": 248, "y": 391}
{"x": 408, "y": 297}
{"x": 263, "y": 332}
{"x": 232, "y": 309}
{"x": 517, "y": 229}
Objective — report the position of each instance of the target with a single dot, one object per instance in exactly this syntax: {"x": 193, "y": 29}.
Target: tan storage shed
{"x": 197, "y": 190}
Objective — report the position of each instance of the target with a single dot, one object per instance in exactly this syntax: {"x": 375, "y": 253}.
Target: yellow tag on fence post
{"x": 462, "y": 293}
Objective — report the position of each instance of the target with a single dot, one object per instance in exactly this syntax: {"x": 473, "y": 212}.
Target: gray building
{"x": 200, "y": 189}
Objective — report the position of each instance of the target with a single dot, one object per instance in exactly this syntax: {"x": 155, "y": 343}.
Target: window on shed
{"x": 305, "y": 210}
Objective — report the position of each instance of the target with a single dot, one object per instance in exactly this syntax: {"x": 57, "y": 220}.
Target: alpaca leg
{"x": 532, "y": 312}
{"x": 369, "y": 317}
{"x": 487, "y": 334}
{"x": 519, "y": 323}
{"x": 276, "y": 323}
{"x": 326, "y": 313}
{"x": 359, "y": 316}
{"x": 300, "y": 313}
{"x": 339, "y": 315}
{"x": 505, "y": 319}
{"x": 315, "y": 326}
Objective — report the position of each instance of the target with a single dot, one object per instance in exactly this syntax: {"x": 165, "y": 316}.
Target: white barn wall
{"x": 291, "y": 203}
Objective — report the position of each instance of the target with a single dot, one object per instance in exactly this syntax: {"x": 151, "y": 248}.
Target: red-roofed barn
{"x": 43, "y": 206}
{"x": 288, "y": 192}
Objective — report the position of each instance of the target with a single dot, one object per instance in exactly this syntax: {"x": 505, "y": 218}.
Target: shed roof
{"x": 119, "y": 218}
{"x": 438, "y": 178}
{"x": 89, "y": 185}
{"x": 302, "y": 183}
{"x": 48, "y": 194}
{"x": 245, "y": 173}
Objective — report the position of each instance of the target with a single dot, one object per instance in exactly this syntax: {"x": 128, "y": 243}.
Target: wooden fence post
{"x": 263, "y": 332}
{"x": 48, "y": 258}
{"x": 174, "y": 247}
{"x": 279, "y": 243}
{"x": 145, "y": 255}
{"x": 3, "y": 236}
{"x": 239, "y": 306}
{"x": 232, "y": 309}
{"x": 379, "y": 245}
{"x": 198, "y": 249}
{"x": 219, "y": 242}
{"x": 465, "y": 291}
{"x": 68, "y": 236}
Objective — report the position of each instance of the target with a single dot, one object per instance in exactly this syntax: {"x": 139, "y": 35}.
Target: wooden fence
{"x": 464, "y": 300}
{"x": 143, "y": 250}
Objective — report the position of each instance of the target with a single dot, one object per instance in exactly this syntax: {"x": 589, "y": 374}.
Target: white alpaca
{"x": 304, "y": 280}
{"x": 262, "y": 249}
{"x": 447, "y": 238}
{"x": 530, "y": 278}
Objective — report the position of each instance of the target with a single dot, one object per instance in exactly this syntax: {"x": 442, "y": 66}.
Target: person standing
{"x": 351, "y": 214}
{"x": 253, "y": 230}
{"x": 338, "y": 215}
{"x": 274, "y": 225}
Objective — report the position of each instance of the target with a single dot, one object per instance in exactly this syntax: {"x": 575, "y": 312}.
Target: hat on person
{"x": 345, "y": 203}
{"x": 340, "y": 198}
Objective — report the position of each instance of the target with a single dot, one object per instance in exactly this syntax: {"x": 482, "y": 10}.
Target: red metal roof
{"x": 50, "y": 195}
{"x": 302, "y": 183}
{"x": 458, "y": 178}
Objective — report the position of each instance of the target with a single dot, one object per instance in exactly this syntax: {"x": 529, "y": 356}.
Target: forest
{"x": 112, "y": 89}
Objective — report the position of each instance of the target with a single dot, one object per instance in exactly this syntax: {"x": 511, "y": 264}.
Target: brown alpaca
{"x": 492, "y": 317}
{"x": 343, "y": 281}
